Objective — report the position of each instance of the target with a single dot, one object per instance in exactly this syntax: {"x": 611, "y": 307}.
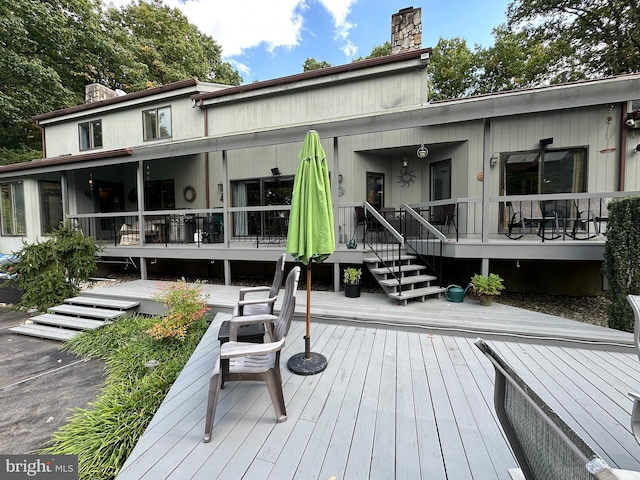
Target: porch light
{"x": 275, "y": 172}
{"x": 546, "y": 141}
{"x": 405, "y": 162}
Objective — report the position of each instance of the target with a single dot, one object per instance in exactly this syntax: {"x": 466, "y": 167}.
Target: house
{"x": 196, "y": 178}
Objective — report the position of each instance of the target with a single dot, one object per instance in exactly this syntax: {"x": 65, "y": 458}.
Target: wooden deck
{"x": 398, "y": 399}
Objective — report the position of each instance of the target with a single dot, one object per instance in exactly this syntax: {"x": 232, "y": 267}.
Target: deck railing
{"x": 559, "y": 217}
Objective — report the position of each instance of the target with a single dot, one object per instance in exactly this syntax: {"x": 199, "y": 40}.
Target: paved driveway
{"x": 39, "y": 385}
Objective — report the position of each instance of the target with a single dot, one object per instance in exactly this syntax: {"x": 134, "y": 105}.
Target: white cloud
{"x": 240, "y": 24}
{"x": 349, "y": 49}
{"x": 340, "y": 10}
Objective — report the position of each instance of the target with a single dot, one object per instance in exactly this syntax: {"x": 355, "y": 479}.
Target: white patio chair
{"x": 239, "y": 361}
{"x": 544, "y": 445}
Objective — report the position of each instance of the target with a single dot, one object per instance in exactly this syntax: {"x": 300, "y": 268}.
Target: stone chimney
{"x": 95, "y": 92}
{"x": 406, "y": 30}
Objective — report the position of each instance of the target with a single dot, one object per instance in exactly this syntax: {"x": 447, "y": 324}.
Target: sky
{"x": 266, "y": 39}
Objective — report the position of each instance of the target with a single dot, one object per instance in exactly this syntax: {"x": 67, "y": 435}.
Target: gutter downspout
{"x": 206, "y": 161}
{"x": 623, "y": 147}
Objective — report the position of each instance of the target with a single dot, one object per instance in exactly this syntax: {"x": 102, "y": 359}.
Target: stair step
{"x": 89, "y": 312}
{"x": 43, "y": 331}
{"x": 396, "y": 269}
{"x": 393, "y": 282}
{"x": 88, "y": 301}
{"x": 65, "y": 321}
{"x": 389, "y": 258}
{"x": 420, "y": 293}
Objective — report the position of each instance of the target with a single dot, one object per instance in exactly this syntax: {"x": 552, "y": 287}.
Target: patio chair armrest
{"x": 635, "y": 415}
{"x": 237, "y": 322}
{"x": 255, "y": 301}
{"x": 242, "y": 349}
{"x": 245, "y": 290}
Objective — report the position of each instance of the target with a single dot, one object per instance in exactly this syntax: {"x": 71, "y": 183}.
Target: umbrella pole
{"x": 307, "y": 338}
{"x": 307, "y": 363}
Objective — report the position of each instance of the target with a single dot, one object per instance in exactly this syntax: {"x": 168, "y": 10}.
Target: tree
{"x": 378, "y": 51}
{"x": 596, "y": 38}
{"x": 51, "y": 49}
{"x": 313, "y": 64}
{"x": 452, "y": 69}
{"x": 172, "y": 49}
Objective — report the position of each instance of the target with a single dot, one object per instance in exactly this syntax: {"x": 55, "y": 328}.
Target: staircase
{"x": 413, "y": 282}
{"x": 74, "y": 316}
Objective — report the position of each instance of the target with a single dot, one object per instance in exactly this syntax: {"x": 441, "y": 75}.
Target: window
{"x": 50, "y": 206}
{"x": 549, "y": 171}
{"x": 441, "y": 180}
{"x": 159, "y": 195}
{"x": 157, "y": 123}
{"x": 13, "y": 217}
{"x": 90, "y": 135}
{"x": 260, "y": 192}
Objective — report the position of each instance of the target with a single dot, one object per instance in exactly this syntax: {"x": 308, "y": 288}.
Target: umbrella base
{"x": 301, "y": 365}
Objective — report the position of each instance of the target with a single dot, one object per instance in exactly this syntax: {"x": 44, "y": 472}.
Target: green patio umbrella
{"x": 311, "y": 233}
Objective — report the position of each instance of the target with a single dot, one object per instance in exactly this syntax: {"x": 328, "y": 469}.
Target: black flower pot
{"x": 352, "y": 290}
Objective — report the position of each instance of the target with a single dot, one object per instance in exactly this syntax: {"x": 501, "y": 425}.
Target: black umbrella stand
{"x": 307, "y": 363}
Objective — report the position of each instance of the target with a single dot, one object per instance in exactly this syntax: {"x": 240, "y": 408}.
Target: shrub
{"x": 185, "y": 305}
{"x": 488, "y": 286}
{"x": 50, "y": 271}
{"x": 622, "y": 260}
{"x": 104, "y": 434}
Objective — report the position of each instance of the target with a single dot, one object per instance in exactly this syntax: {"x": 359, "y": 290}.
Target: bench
{"x": 544, "y": 445}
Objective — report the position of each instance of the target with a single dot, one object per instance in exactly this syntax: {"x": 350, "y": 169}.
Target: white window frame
{"x": 93, "y": 131}
{"x": 13, "y": 217}
{"x": 159, "y": 127}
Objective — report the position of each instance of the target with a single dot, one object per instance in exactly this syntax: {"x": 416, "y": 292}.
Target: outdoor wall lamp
{"x": 339, "y": 178}
{"x": 275, "y": 172}
{"x": 546, "y": 141}
{"x": 405, "y": 162}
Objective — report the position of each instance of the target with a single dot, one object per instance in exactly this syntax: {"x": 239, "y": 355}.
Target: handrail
{"x": 420, "y": 219}
{"x": 397, "y": 235}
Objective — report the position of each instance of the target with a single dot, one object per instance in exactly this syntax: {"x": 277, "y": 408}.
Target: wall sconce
{"x": 494, "y": 159}
{"x": 405, "y": 162}
{"x": 339, "y": 178}
{"x": 275, "y": 172}
{"x": 545, "y": 141}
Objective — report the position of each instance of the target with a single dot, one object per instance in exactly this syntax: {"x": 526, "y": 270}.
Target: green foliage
{"x": 595, "y": 38}
{"x": 378, "y": 51}
{"x": 104, "y": 434}
{"x": 352, "y": 275}
{"x": 622, "y": 260}
{"x": 313, "y": 64}
{"x": 185, "y": 304}
{"x": 487, "y": 286}
{"x": 50, "y": 271}
{"x": 452, "y": 70}
{"x": 51, "y": 49}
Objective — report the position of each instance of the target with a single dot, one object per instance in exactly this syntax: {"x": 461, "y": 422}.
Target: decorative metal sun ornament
{"x": 406, "y": 177}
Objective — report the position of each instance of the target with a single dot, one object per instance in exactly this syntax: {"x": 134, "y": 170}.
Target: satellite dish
{"x": 120, "y": 93}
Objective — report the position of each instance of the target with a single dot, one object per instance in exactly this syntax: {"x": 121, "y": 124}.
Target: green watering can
{"x": 456, "y": 294}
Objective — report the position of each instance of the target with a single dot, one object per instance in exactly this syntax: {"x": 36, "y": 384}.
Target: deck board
{"x": 394, "y": 402}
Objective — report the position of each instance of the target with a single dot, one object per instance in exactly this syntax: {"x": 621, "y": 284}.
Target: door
{"x": 375, "y": 189}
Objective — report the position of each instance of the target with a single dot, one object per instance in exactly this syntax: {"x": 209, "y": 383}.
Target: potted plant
{"x": 351, "y": 279}
{"x": 485, "y": 288}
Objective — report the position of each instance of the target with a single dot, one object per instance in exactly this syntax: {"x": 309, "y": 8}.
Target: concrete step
{"x": 113, "y": 304}
{"x": 44, "y": 331}
{"x": 87, "y": 312}
{"x": 413, "y": 279}
{"x": 405, "y": 268}
{"x": 417, "y": 293}
{"x": 65, "y": 321}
